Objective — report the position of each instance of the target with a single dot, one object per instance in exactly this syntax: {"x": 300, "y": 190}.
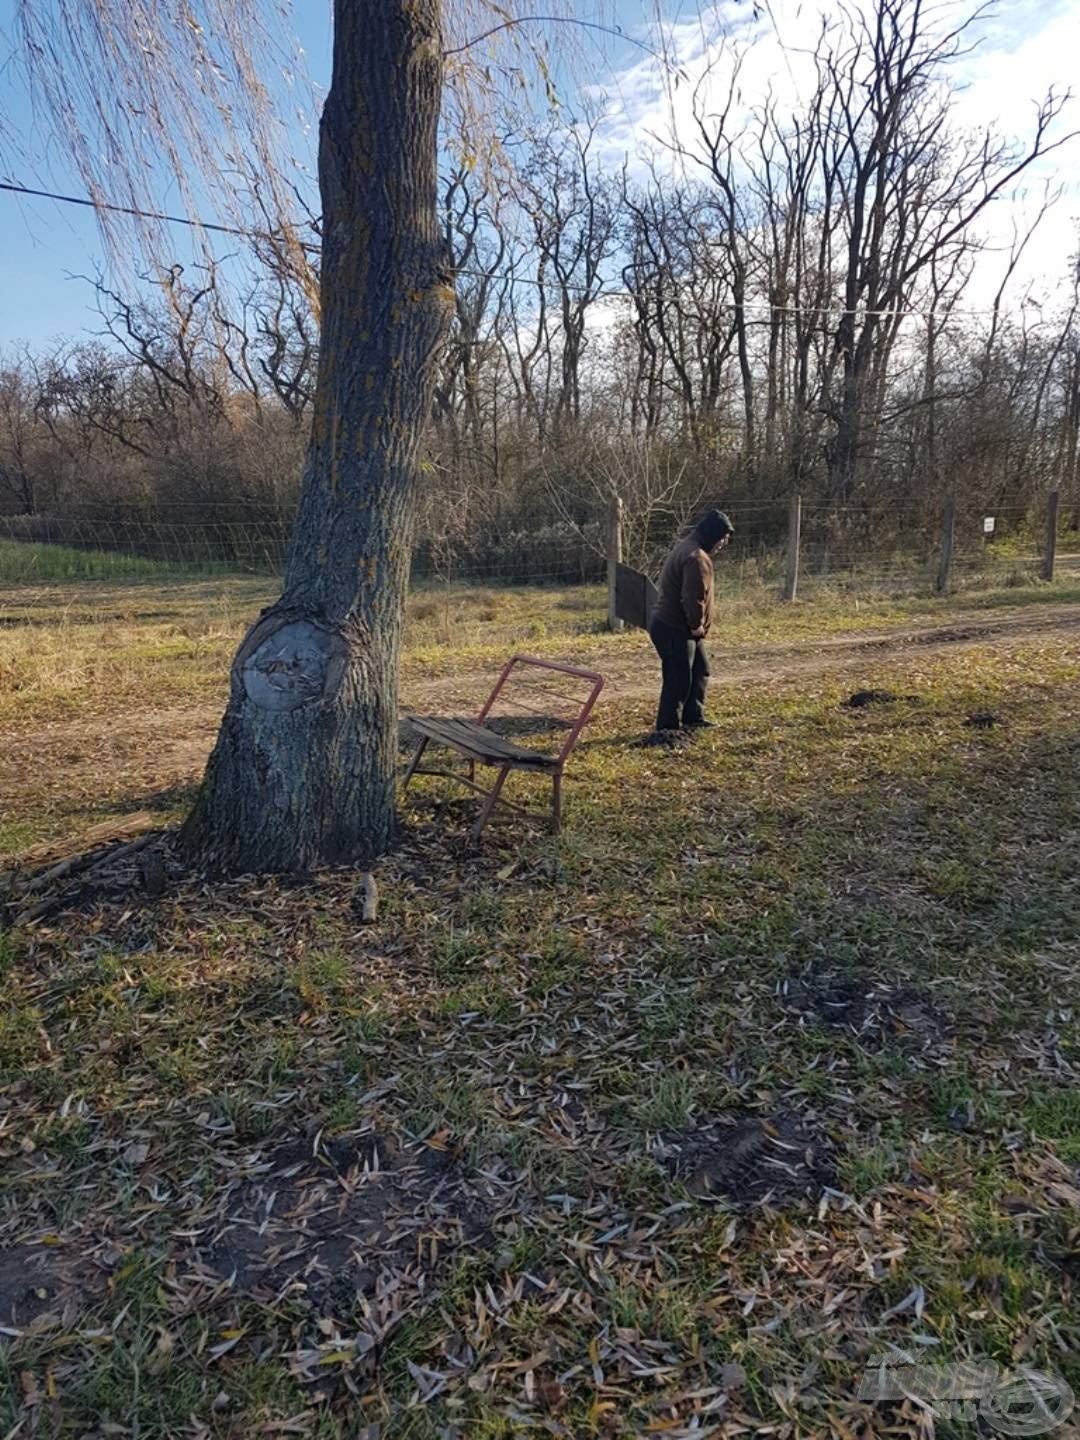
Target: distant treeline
{"x": 797, "y": 317}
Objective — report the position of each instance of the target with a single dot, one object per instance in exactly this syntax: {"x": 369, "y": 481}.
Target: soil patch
{"x": 667, "y": 740}
{"x": 982, "y": 720}
{"x": 43, "y": 1285}
{"x": 862, "y": 698}
{"x": 875, "y": 1014}
{"x": 327, "y": 1223}
{"x": 751, "y": 1159}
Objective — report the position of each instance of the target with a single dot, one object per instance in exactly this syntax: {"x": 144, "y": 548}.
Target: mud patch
{"x": 982, "y": 720}
{"x": 667, "y": 740}
{"x": 861, "y": 699}
{"x": 44, "y": 1285}
{"x": 328, "y": 1223}
{"x": 876, "y": 1014}
{"x": 751, "y": 1160}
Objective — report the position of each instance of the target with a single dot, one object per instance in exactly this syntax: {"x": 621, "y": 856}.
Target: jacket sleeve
{"x": 695, "y": 588}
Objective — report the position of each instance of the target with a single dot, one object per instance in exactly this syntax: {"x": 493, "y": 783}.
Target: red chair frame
{"x": 481, "y": 746}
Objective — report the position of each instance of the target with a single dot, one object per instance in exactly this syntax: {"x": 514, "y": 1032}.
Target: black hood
{"x": 712, "y": 527}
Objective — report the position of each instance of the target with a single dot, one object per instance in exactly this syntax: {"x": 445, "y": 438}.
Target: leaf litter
{"x": 565, "y": 1141}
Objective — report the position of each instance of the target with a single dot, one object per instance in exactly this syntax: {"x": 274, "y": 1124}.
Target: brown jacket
{"x": 685, "y": 599}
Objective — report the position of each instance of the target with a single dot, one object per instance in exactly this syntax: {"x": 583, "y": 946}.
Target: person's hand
{"x": 698, "y": 634}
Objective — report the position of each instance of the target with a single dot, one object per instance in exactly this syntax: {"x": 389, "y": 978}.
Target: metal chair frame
{"x": 480, "y": 745}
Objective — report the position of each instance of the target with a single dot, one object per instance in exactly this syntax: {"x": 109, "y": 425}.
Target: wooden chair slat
{"x": 477, "y": 742}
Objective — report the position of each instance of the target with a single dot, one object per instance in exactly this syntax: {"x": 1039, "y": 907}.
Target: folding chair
{"x": 481, "y": 745}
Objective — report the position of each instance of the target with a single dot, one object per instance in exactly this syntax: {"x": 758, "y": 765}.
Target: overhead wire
{"x": 92, "y": 204}
{"x": 753, "y": 307}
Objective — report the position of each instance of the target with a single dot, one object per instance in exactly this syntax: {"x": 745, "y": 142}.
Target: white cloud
{"x": 1024, "y": 50}
{"x": 1029, "y": 51}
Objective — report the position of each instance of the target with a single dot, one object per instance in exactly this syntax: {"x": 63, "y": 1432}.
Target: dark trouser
{"x": 685, "y": 668}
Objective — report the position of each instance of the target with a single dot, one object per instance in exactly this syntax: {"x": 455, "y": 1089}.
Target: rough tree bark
{"x": 304, "y": 767}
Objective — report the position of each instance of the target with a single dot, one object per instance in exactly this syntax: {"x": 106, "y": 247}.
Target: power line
{"x": 752, "y": 307}
{"x": 123, "y": 209}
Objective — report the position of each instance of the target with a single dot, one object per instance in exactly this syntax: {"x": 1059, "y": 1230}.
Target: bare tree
{"x": 19, "y": 425}
{"x": 717, "y": 139}
{"x": 909, "y": 189}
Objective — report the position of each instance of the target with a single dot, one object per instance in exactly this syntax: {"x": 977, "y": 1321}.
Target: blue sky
{"x": 1030, "y": 44}
{"x": 43, "y": 244}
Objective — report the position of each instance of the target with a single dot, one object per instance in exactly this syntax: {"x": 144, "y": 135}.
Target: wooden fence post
{"x": 614, "y": 560}
{"x": 948, "y": 536}
{"x": 791, "y": 578}
{"x": 1050, "y": 553}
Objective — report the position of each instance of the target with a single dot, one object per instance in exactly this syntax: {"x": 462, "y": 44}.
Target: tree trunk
{"x": 304, "y": 768}
{"x": 745, "y": 370}
{"x": 842, "y": 449}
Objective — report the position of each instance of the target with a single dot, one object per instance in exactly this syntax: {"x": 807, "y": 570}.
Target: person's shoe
{"x": 699, "y": 725}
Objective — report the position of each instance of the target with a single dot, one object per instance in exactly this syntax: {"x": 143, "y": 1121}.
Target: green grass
{"x": 34, "y": 563}
{"x": 541, "y": 1017}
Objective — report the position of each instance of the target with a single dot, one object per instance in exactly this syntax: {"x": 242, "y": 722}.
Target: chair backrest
{"x": 536, "y": 687}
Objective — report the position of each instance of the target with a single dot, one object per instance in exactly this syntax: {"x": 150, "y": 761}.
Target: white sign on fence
{"x": 988, "y": 525}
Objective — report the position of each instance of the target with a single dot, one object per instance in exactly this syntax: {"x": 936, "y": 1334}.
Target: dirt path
{"x": 632, "y": 676}
{"x": 74, "y": 771}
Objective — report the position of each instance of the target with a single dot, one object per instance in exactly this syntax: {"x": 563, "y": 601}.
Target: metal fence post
{"x": 614, "y": 560}
{"x": 1050, "y": 553}
{"x": 948, "y": 537}
{"x": 791, "y": 578}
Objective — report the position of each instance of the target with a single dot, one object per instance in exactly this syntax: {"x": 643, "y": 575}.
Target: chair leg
{"x": 490, "y": 803}
{"x": 556, "y": 802}
{"x": 415, "y": 761}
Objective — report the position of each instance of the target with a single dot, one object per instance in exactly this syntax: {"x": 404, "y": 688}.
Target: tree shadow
{"x": 169, "y": 797}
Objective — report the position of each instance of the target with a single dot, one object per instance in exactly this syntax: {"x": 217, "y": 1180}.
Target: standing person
{"x": 681, "y": 620}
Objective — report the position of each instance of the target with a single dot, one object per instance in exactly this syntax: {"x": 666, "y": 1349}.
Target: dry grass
{"x": 769, "y": 1064}
{"x": 110, "y": 694}
{"x": 78, "y": 650}
{"x": 666, "y": 1128}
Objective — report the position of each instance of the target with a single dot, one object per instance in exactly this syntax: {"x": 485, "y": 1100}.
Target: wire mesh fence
{"x": 847, "y": 548}
{"x": 103, "y": 542}
{"x": 854, "y": 547}
{"x": 198, "y": 538}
